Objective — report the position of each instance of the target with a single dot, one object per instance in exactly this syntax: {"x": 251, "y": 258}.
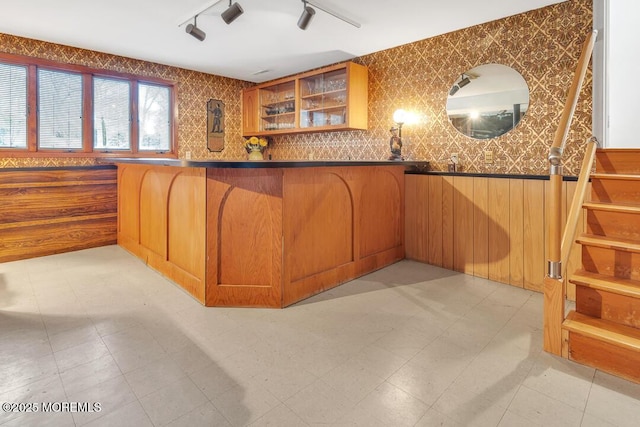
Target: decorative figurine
{"x": 395, "y": 144}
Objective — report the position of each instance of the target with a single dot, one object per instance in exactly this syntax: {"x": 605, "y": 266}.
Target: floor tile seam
{"x": 90, "y": 361}
{"x": 582, "y": 411}
{"x": 586, "y": 402}
{"x": 139, "y": 399}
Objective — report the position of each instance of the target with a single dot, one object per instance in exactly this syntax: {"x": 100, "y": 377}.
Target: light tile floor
{"x": 409, "y": 345}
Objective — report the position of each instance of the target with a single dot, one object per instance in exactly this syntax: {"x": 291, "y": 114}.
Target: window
{"x": 111, "y": 114}
{"x": 13, "y": 106}
{"x": 153, "y": 111}
{"x": 60, "y": 110}
{"x": 53, "y": 109}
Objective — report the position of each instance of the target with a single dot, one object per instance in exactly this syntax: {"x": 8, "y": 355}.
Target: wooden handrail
{"x": 573, "y": 216}
{"x": 572, "y": 97}
{"x": 555, "y": 159}
{"x": 553, "y": 286}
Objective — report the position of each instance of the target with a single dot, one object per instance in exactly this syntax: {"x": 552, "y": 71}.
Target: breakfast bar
{"x": 265, "y": 233}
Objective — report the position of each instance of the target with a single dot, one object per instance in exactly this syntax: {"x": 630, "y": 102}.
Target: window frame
{"x": 87, "y": 150}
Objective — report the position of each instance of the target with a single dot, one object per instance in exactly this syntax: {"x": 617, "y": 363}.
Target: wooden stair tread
{"x": 609, "y": 243}
{"x": 619, "y": 176}
{"x": 612, "y": 207}
{"x": 611, "y": 284}
{"x": 603, "y": 330}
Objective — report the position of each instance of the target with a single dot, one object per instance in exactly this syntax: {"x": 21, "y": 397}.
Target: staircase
{"x": 604, "y": 329}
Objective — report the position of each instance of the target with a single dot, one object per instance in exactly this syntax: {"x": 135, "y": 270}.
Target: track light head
{"x": 464, "y": 81}
{"x": 195, "y": 31}
{"x": 232, "y": 12}
{"x": 305, "y": 18}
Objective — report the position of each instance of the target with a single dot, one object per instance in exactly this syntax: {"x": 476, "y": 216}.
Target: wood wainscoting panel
{"x": 516, "y": 232}
{"x": 436, "y": 239}
{"x": 481, "y": 227}
{"x": 244, "y": 237}
{"x": 417, "y": 212}
{"x": 447, "y": 222}
{"x": 463, "y": 213}
{"x": 45, "y": 211}
{"x": 499, "y": 224}
{"x": 484, "y": 226}
{"x": 534, "y": 234}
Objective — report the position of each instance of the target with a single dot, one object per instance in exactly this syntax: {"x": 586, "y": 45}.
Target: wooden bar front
{"x": 261, "y": 236}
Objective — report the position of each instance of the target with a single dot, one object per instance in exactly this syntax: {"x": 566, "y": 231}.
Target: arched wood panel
{"x": 186, "y": 222}
{"x": 154, "y": 190}
{"x": 244, "y": 237}
{"x": 129, "y": 179}
{"x": 381, "y": 213}
{"x": 319, "y": 211}
{"x": 245, "y": 255}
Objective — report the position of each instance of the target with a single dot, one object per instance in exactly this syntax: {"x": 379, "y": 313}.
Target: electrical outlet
{"x": 454, "y": 158}
{"x": 187, "y": 155}
{"x": 488, "y": 157}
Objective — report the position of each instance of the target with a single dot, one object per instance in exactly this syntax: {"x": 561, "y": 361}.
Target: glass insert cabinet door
{"x": 278, "y": 107}
{"x": 323, "y": 99}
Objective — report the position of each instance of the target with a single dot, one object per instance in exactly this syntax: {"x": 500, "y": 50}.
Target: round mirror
{"x": 487, "y": 101}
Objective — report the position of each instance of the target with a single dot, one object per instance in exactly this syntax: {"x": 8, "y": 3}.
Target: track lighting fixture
{"x": 233, "y": 11}
{"x": 307, "y": 14}
{"x": 464, "y": 80}
{"x": 195, "y": 31}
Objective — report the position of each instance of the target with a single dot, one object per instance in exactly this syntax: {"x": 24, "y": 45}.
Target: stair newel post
{"x": 553, "y": 282}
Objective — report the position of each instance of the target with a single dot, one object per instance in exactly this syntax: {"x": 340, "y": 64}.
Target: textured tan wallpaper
{"x": 193, "y": 90}
{"x": 543, "y": 45}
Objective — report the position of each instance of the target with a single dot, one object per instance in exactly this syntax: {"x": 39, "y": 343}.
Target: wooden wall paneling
{"x": 463, "y": 224}
{"x": 129, "y": 180}
{"x": 244, "y": 237}
{"x": 154, "y": 191}
{"x": 481, "y": 227}
{"x": 319, "y": 213}
{"x": 516, "y": 230}
{"x": 499, "y": 225}
{"x": 534, "y": 234}
{"x": 186, "y": 223}
{"x": 45, "y": 211}
{"x": 447, "y": 222}
{"x": 436, "y": 225}
{"x": 416, "y": 217}
{"x": 381, "y": 210}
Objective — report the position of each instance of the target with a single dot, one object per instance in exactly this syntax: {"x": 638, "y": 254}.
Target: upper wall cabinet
{"x": 328, "y": 99}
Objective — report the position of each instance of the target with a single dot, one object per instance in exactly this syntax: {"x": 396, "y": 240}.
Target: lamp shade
{"x": 400, "y": 116}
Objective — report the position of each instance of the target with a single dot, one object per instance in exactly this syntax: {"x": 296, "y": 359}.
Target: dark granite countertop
{"x": 244, "y": 164}
{"x": 489, "y": 175}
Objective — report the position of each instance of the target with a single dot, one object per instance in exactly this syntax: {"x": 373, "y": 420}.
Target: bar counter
{"x": 262, "y": 233}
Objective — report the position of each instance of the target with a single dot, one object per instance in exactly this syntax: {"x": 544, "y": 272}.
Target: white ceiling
{"x": 265, "y": 37}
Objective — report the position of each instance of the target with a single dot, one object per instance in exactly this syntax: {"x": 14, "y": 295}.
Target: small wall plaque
{"x": 215, "y": 125}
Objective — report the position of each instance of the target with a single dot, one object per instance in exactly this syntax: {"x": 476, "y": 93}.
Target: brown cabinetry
{"x": 331, "y": 98}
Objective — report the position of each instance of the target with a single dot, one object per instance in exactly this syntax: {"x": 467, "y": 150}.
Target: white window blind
{"x": 154, "y": 118}
{"x": 111, "y": 114}
{"x": 60, "y": 110}
{"x": 13, "y": 106}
